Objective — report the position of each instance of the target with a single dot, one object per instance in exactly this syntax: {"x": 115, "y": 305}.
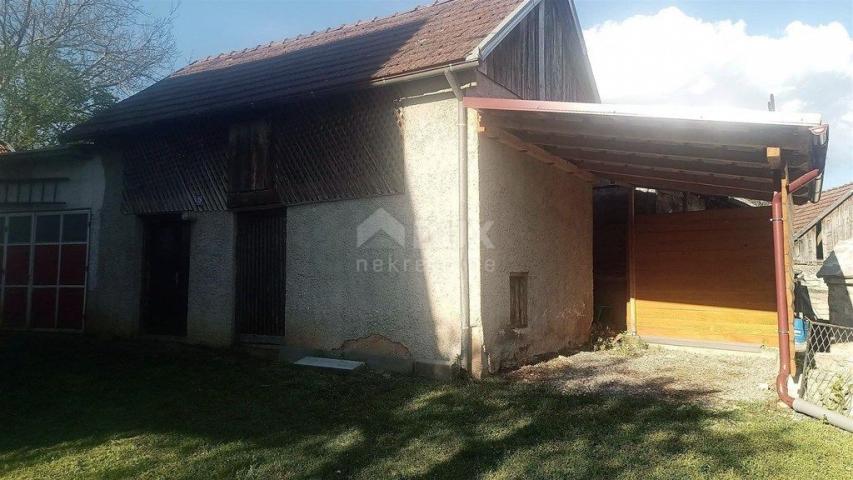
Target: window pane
{"x": 19, "y": 229}
{"x": 70, "y": 308}
{"x": 17, "y": 265}
{"x": 43, "y": 310}
{"x": 74, "y": 227}
{"x": 73, "y": 268}
{"x": 2, "y": 229}
{"x": 15, "y": 307}
{"x": 47, "y": 228}
{"x": 45, "y": 264}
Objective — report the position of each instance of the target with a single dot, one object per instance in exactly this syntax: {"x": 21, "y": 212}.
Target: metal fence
{"x": 827, "y": 369}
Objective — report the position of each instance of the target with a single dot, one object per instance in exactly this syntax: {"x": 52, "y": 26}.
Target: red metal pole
{"x": 781, "y": 288}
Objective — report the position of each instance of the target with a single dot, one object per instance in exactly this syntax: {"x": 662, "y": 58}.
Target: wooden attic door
{"x": 250, "y": 173}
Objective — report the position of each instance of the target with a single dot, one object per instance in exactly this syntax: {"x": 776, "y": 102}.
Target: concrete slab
{"x": 333, "y": 364}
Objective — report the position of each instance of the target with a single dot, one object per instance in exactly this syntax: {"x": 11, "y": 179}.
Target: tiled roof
{"x": 808, "y": 213}
{"x": 5, "y": 148}
{"x": 333, "y": 59}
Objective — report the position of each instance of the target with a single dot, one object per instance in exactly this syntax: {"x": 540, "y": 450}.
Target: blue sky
{"x": 647, "y": 51}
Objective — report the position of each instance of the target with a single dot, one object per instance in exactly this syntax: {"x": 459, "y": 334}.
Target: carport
{"x": 675, "y": 276}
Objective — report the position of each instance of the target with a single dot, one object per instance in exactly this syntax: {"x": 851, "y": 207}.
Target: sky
{"x": 720, "y": 53}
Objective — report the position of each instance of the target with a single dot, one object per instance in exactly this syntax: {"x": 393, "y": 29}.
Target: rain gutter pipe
{"x": 798, "y": 404}
{"x": 464, "y": 298}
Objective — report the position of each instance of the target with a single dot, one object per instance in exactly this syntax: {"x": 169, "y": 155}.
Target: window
{"x": 44, "y": 255}
{"x": 518, "y": 284}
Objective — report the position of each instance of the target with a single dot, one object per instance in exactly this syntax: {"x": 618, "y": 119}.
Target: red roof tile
{"x": 805, "y": 214}
{"x": 336, "y": 58}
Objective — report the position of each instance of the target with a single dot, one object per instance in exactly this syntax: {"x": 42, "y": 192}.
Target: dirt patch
{"x": 712, "y": 378}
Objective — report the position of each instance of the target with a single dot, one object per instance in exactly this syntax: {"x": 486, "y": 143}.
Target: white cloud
{"x": 671, "y": 58}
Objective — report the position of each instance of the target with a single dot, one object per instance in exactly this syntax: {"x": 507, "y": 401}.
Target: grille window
{"x": 518, "y": 284}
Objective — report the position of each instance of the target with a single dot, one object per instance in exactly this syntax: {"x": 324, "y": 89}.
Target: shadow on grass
{"x": 74, "y": 407}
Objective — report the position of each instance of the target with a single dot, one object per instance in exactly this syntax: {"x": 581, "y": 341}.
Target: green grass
{"x": 75, "y": 408}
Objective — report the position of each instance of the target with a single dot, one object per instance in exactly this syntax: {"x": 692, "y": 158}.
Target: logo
{"x": 384, "y": 222}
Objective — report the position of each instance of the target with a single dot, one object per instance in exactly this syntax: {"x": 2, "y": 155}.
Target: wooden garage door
{"x": 44, "y": 260}
{"x": 706, "y": 276}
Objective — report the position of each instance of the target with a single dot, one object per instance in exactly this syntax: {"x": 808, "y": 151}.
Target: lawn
{"x": 77, "y": 408}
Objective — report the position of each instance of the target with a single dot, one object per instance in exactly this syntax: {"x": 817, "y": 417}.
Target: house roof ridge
{"x": 303, "y": 36}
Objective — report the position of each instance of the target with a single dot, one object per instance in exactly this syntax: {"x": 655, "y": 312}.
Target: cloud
{"x": 671, "y": 58}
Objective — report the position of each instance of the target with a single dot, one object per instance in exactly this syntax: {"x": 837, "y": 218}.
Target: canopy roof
{"x": 712, "y": 151}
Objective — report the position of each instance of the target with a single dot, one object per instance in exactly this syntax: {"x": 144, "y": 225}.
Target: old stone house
{"x": 417, "y": 191}
{"x": 237, "y": 187}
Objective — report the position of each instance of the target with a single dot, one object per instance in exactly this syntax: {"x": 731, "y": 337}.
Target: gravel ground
{"x": 709, "y": 377}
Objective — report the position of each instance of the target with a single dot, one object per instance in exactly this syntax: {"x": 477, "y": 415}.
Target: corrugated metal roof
{"x": 336, "y": 58}
{"x": 805, "y": 215}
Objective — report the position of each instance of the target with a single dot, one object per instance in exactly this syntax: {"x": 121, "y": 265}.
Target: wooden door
{"x": 166, "y": 275}
{"x": 260, "y": 285}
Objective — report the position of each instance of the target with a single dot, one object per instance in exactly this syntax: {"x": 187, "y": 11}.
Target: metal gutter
{"x": 798, "y": 404}
{"x": 462, "y": 153}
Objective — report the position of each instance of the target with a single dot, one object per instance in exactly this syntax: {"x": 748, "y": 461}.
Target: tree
{"x": 61, "y": 61}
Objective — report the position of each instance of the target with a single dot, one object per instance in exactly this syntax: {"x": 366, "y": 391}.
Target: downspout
{"x": 798, "y": 404}
{"x": 464, "y": 297}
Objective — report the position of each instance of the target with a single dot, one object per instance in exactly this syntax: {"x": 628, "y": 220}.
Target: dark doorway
{"x": 260, "y": 287}
{"x": 167, "y": 262}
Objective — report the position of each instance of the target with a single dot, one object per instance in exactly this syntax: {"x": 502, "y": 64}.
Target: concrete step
{"x": 331, "y": 364}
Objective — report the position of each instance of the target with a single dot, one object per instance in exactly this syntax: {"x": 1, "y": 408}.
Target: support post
{"x": 631, "y": 320}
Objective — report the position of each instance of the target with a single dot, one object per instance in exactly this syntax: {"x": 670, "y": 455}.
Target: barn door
{"x": 260, "y": 287}
{"x": 167, "y": 260}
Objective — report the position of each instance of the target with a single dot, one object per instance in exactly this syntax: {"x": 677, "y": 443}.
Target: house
{"x": 236, "y": 188}
{"x": 417, "y": 191}
{"x": 818, "y": 228}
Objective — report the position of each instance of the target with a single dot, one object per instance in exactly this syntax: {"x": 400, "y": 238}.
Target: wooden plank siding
{"x": 828, "y": 231}
{"x": 542, "y": 60}
{"x": 514, "y": 64}
{"x": 331, "y": 148}
{"x": 706, "y": 276}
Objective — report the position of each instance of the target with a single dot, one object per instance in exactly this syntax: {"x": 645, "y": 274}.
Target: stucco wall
{"x": 113, "y": 306}
{"x": 210, "y": 307}
{"x": 385, "y": 298}
{"x": 536, "y": 219}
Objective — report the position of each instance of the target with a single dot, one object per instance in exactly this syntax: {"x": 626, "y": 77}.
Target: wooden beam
{"x": 758, "y": 185}
{"x": 534, "y": 151}
{"x": 787, "y": 224}
{"x": 631, "y": 310}
{"x": 749, "y": 157}
{"x": 681, "y": 186}
{"x": 665, "y": 131}
{"x": 540, "y": 51}
{"x": 643, "y": 163}
{"x": 774, "y": 157}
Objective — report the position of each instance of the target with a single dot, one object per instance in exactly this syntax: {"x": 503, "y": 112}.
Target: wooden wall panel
{"x": 706, "y": 276}
{"x": 558, "y": 73}
{"x": 514, "y": 63}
